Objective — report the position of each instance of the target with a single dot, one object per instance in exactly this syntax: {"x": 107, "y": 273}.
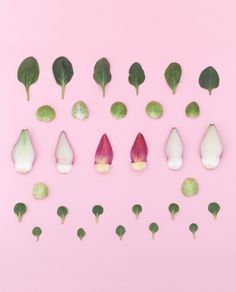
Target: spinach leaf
{"x": 102, "y": 74}
{"x": 172, "y": 75}
{"x": 136, "y": 76}
{"x": 209, "y": 79}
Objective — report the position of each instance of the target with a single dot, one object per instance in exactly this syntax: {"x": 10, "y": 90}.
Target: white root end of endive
{"x": 23, "y": 153}
{"x": 64, "y": 154}
{"x": 211, "y": 148}
{"x": 174, "y": 150}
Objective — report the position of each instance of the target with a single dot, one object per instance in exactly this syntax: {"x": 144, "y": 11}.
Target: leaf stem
{"x": 27, "y": 92}
{"x": 63, "y": 86}
{"x": 62, "y": 219}
{"x": 137, "y": 89}
{"x": 103, "y": 90}
{"x": 153, "y": 235}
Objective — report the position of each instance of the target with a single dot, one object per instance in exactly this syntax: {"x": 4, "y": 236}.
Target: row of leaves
{"x": 28, "y": 73}
{"x": 20, "y": 209}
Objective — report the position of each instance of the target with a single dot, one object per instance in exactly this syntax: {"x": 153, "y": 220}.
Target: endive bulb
{"x": 23, "y": 153}
{"x": 211, "y": 148}
{"x": 64, "y": 154}
{"x": 174, "y": 150}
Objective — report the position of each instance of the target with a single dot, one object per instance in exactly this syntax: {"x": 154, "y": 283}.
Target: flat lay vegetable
{"x": 40, "y": 191}
{"x": 172, "y": 75}
{"x": 214, "y": 209}
{"x": 80, "y": 110}
{"x": 189, "y": 187}
{"x": 63, "y": 73}
{"x": 97, "y": 211}
{"x": 174, "y": 150}
{"x": 154, "y": 110}
{"x": 62, "y": 212}
{"x": 136, "y": 76}
{"x": 20, "y": 209}
{"x": 120, "y": 231}
{"x": 193, "y": 228}
{"x": 209, "y": 79}
{"x": 81, "y": 233}
{"x": 153, "y": 227}
{"x": 137, "y": 209}
{"x": 192, "y": 110}
{"x": 64, "y": 154}
{"x": 118, "y": 110}
{"x": 28, "y": 73}
{"x": 45, "y": 113}
{"x": 102, "y": 73}
{"x": 139, "y": 152}
{"x": 37, "y": 231}
{"x": 173, "y": 209}
{"x": 211, "y": 148}
{"x": 104, "y": 155}
{"x": 23, "y": 154}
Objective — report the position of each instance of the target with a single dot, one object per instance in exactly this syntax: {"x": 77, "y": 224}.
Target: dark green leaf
{"x": 28, "y": 73}
{"x": 193, "y": 228}
{"x": 102, "y": 74}
{"x": 120, "y": 231}
{"x": 62, "y": 212}
{"x": 20, "y": 209}
{"x": 214, "y": 208}
{"x": 81, "y": 233}
{"x": 37, "y": 231}
{"x": 209, "y": 79}
{"x": 173, "y": 208}
{"x": 136, "y": 76}
{"x": 137, "y": 209}
{"x": 173, "y": 74}
{"x": 97, "y": 211}
{"x": 63, "y": 72}
{"x": 153, "y": 227}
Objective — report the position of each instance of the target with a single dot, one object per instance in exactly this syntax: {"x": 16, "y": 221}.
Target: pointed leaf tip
{"x": 139, "y": 152}
{"x": 104, "y": 155}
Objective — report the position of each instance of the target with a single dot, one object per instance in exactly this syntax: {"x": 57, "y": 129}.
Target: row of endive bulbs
{"x": 211, "y": 149}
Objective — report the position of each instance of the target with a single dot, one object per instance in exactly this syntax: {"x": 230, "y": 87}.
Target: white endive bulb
{"x": 211, "y": 148}
{"x": 23, "y": 153}
{"x": 64, "y": 154}
{"x": 174, "y": 150}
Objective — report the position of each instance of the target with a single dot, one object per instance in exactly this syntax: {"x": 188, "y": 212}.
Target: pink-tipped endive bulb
{"x": 104, "y": 155}
{"x": 64, "y": 154}
{"x": 23, "y": 153}
{"x": 139, "y": 153}
{"x": 174, "y": 150}
{"x": 211, "y": 148}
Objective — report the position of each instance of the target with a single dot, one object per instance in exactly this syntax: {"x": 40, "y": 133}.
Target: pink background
{"x": 195, "y": 34}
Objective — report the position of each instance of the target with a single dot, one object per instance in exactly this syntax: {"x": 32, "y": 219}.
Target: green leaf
{"x": 173, "y": 74}
{"x": 193, "y": 228}
{"x": 137, "y": 209}
{"x": 20, "y": 209}
{"x": 192, "y": 110}
{"x": 214, "y": 209}
{"x": 118, "y": 110}
{"x": 189, "y": 187}
{"x": 28, "y": 73}
{"x": 45, "y": 114}
{"x": 209, "y": 79}
{"x": 136, "y": 76}
{"x": 153, "y": 227}
{"x": 173, "y": 208}
{"x": 81, "y": 233}
{"x": 102, "y": 74}
{"x": 97, "y": 211}
{"x": 63, "y": 72}
{"x": 154, "y": 110}
{"x": 62, "y": 212}
{"x": 37, "y": 231}
{"x": 120, "y": 231}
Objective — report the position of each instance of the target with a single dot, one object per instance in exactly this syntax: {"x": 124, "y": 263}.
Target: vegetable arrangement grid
{"x": 24, "y": 154}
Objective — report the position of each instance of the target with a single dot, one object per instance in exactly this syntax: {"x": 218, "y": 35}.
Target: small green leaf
{"x": 214, "y": 209}
{"x": 193, "y": 228}
{"x": 192, "y": 110}
{"x": 28, "y": 73}
{"x": 62, "y": 212}
{"x": 80, "y": 110}
{"x": 154, "y": 110}
{"x": 153, "y": 227}
{"x": 45, "y": 114}
{"x": 63, "y": 72}
{"x": 136, "y": 76}
{"x": 120, "y": 231}
{"x": 81, "y": 233}
{"x": 97, "y": 211}
{"x": 37, "y": 231}
{"x": 173, "y": 74}
{"x": 137, "y": 209}
{"x": 209, "y": 79}
{"x": 40, "y": 191}
{"x": 173, "y": 208}
{"x": 189, "y": 187}
{"x": 102, "y": 74}
{"x": 118, "y": 110}
{"x": 20, "y": 209}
